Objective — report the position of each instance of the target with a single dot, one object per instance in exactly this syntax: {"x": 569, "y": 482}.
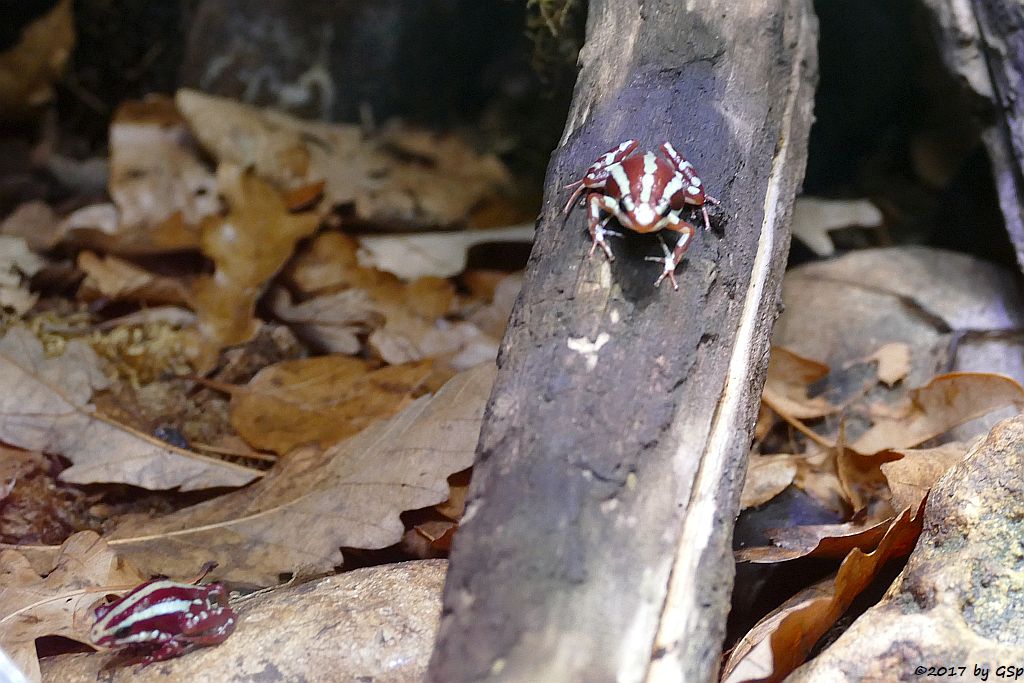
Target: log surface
{"x": 596, "y": 545}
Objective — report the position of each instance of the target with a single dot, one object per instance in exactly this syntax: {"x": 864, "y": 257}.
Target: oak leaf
{"x": 113, "y": 278}
{"x": 17, "y": 265}
{"x": 781, "y": 641}
{"x": 785, "y": 388}
{"x": 945, "y": 402}
{"x": 58, "y": 603}
{"x": 248, "y": 246}
{"x": 44, "y": 405}
{"x": 399, "y": 176}
{"x": 320, "y": 400}
{"x": 161, "y": 192}
{"x": 315, "y": 502}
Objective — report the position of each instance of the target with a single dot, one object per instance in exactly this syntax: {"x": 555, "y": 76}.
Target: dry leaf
{"x": 816, "y": 540}
{"x": 36, "y": 222}
{"x": 492, "y": 319}
{"x": 401, "y": 176}
{"x": 112, "y": 278}
{"x": 249, "y": 246}
{"x": 155, "y": 175}
{"x": 161, "y": 192}
{"x": 314, "y": 503}
{"x": 945, "y": 402}
{"x": 458, "y": 487}
{"x": 440, "y": 254}
{"x": 29, "y": 69}
{"x": 330, "y": 263}
{"x": 438, "y": 533}
{"x": 45, "y": 407}
{"x": 60, "y": 604}
{"x": 817, "y": 475}
{"x": 894, "y": 362}
{"x": 331, "y": 323}
{"x": 767, "y": 477}
{"x": 911, "y": 477}
{"x": 429, "y": 180}
{"x": 319, "y": 401}
{"x": 785, "y": 388}
{"x": 17, "y": 265}
{"x": 780, "y": 642}
{"x": 814, "y": 217}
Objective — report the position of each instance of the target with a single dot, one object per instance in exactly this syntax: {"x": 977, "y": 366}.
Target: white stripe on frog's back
{"x": 674, "y": 184}
{"x": 647, "y": 181}
{"x": 136, "y": 597}
{"x": 621, "y": 179}
{"x": 159, "y": 609}
{"x": 609, "y": 156}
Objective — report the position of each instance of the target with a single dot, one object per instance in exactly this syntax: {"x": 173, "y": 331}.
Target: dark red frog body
{"x": 161, "y": 619}
{"x": 645, "y": 192}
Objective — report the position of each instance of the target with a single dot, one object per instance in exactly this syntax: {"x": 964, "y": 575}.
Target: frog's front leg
{"x": 169, "y": 650}
{"x": 672, "y": 257}
{"x": 595, "y": 203}
{"x": 212, "y": 630}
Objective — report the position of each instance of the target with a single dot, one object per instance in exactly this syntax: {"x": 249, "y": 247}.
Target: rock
{"x": 960, "y": 599}
{"x": 374, "y": 624}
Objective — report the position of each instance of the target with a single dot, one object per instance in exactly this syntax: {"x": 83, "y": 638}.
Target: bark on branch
{"x": 982, "y": 44}
{"x": 597, "y": 542}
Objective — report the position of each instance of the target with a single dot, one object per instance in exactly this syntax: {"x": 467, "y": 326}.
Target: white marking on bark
{"x": 588, "y": 349}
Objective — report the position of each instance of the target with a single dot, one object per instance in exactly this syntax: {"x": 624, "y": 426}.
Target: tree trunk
{"x": 982, "y": 43}
{"x": 596, "y": 545}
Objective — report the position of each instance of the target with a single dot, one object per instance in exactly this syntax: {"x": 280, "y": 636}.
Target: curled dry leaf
{"x": 401, "y": 176}
{"x": 912, "y": 476}
{"x": 249, "y": 246}
{"x": 332, "y": 322}
{"x": 785, "y": 388}
{"x": 781, "y": 641}
{"x": 330, "y": 263}
{"x": 17, "y": 265}
{"x": 30, "y": 67}
{"x": 313, "y": 502}
{"x": 767, "y": 477}
{"x": 44, "y": 404}
{"x": 319, "y": 401}
{"x": 155, "y": 175}
{"x": 894, "y": 362}
{"x": 32, "y": 606}
{"x": 160, "y": 190}
{"x": 109, "y": 277}
{"x": 945, "y": 402}
{"x": 816, "y": 540}
{"x": 429, "y": 179}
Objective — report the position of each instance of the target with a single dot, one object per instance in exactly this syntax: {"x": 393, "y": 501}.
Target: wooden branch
{"x": 597, "y": 542}
{"x": 982, "y": 43}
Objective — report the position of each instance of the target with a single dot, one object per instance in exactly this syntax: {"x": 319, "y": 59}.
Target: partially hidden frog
{"x": 646, "y": 193}
{"x": 161, "y": 619}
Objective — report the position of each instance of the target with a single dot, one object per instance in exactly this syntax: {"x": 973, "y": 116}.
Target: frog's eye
{"x": 123, "y": 632}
